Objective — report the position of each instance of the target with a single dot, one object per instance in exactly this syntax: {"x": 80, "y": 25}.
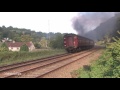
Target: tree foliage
{"x": 44, "y": 42}
{"x": 26, "y": 38}
{"x": 24, "y": 48}
{"x": 37, "y": 45}
{"x": 25, "y": 35}
{"x": 107, "y": 66}
{"x": 4, "y": 47}
{"x": 57, "y": 42}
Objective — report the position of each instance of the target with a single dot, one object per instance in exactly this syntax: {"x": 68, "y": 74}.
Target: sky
{"x": 40, "y": 21}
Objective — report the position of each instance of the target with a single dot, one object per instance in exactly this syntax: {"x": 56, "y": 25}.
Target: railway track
{"x": 16, "y": 65}
{"x": 20, "y": 69}
{"x": 62, "y": 65}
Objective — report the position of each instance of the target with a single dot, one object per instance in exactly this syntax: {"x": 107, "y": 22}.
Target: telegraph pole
{"x": 49, "y": 29}
{"x": 48, "y": 33}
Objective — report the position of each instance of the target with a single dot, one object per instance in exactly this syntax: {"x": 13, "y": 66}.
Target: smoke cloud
{"x": 90, "y": 20}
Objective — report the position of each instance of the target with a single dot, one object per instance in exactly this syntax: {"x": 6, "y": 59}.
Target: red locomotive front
{"x": 75, "y": 43}
{"x": 70, "y": 42}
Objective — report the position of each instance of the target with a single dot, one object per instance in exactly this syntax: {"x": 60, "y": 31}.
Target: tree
{"x": 57, "y": 42}
{"x": 43, "y": 42}
{"x": 3, "y": 27}
{"x": 107, "y": 39}
{"x": 26, "y": 38}
{"x": 4, "y": 47}
{"x": 24, "y": 48}
{"x": 37, "y": 45}
{"x": 17, "y": 38}
{"x": 0, "y": 36}
{"x": 10, "y": 28}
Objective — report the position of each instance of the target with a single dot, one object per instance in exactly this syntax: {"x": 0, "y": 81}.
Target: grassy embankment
{"x": 16, "y": 57}
{"x": 107, "y": 66}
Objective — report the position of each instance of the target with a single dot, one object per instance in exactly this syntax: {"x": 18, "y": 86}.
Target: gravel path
{"x": 65, "y": 71}
{"x": 51, "y": 67}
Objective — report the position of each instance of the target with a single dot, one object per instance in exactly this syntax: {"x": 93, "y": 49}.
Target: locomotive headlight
{"x": 74, "y": 42}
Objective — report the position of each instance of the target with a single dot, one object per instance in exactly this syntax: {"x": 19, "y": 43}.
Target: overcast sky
{"x": 38, "y": 21}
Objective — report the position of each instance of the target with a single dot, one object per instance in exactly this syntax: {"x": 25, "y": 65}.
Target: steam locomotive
{"x": 74, "y": 43}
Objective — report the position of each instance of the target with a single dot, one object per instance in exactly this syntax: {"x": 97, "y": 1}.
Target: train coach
{"x": 74, "y": 43}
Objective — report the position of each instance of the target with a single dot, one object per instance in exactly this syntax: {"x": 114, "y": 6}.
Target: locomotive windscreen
{"x": 68, "y": 41}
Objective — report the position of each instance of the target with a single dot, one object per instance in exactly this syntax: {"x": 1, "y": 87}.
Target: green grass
{"x": 7, "y": 58}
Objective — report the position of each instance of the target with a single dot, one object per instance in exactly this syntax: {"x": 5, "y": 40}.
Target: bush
{"x": 24, "y": 48}
{"x": 57, "y": 43}
{"x": 37, "y": 45}
{"x": 4, "y": 47}
{"x": 13, "y": 57}
{"x": 114, "y": 48}
{"x": 107, "y": 66}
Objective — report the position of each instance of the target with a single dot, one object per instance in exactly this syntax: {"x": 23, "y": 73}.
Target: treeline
{"x": 40, "y": 39}
{"x": 15, "y": 33}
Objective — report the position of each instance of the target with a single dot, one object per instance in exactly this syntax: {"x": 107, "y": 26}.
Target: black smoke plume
{"x": 89, "y": 21}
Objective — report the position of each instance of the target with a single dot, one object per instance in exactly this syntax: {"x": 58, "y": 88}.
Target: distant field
{"x": 7, "y": 58}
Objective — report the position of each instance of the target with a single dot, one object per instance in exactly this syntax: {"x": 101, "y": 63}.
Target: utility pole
{"x": 48, "y": 34}
{"x": 49, "y": 29}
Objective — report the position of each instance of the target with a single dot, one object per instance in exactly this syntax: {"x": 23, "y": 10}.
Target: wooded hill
{"x": 108, "y": 27}
{"x": 16, "y": 33}
{"x": 40, "y": 39}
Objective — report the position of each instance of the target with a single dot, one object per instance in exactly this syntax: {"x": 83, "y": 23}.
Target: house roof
{"x": 18, "y": 44}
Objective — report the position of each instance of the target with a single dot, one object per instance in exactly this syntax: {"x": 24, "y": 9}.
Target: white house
{"x": 15, "y": 46}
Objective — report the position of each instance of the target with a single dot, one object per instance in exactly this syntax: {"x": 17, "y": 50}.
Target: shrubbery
{"x": 108, "y": 64}
{"x": 24, "y": 48}
{"x": 3, "y": 48}
{"x": 57, "y": 43}
{"x": 37, "y": 46}
{"x": 13, "y": 57}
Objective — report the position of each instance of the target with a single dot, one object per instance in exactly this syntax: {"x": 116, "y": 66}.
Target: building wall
{"x": 14, "y": 48}
{"x": 32, "y": 47}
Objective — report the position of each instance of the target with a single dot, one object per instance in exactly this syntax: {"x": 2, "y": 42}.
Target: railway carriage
{"x": 75, "y": 43}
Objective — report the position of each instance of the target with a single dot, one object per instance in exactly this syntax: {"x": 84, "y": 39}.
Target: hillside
{"x": 40, "y": 39}
{"x": 108, "y": 27}
{"x": 14, "y": 33}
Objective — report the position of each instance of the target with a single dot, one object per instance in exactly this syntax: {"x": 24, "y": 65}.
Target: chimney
{"x": 13, "y": 41}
